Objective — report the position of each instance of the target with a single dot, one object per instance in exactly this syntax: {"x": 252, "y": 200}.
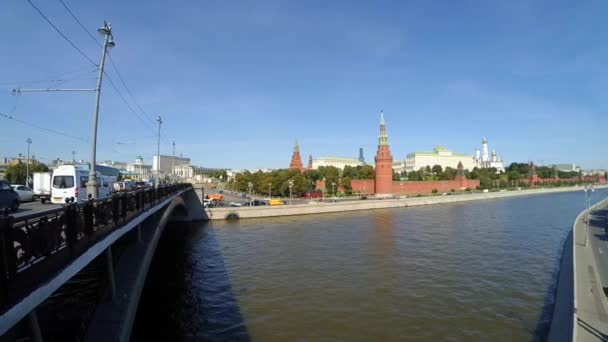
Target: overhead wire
{"x": 113, "y": 85}
{"x": 122, "y": 81}
{"x": 10, "y": 117}
{"x": 61, "y": 33}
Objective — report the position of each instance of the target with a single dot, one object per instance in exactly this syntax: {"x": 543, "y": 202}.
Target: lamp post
{"x": 333, "y": 190}
{"x": 160, "y": 122}
{"x": 250, "y": 185}
{"x": 290, "y": 196}
{"x": 588, "y": 190}
{"x": 27, "y": 163}
{"x": 270, "y": 190}
{"x": 106, "y": 31}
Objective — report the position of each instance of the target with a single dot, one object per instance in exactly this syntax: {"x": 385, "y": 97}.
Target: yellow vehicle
{"x": 275, "y": 202}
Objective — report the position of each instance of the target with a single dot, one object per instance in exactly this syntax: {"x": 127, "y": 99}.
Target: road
{"x": 31, "y": 207}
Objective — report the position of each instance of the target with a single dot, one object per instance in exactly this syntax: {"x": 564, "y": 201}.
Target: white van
{"x": 71, "y": 181}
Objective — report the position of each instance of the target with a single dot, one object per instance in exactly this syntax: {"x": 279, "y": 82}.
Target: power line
{"x": 79, "y": 23}
{"x": 127, "y": 88}
{"x": 10, "y": 117}
{"x": 61, "y": 33}
{"x": 122, "y": 81}
{"x": 125, "y": 101}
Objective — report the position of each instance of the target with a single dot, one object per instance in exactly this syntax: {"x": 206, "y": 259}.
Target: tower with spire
{"x": 309, "y": 162}
{"x": 296, "y": 161}
{"x": 384, "y": 162}
{"x": 485, "y": 153}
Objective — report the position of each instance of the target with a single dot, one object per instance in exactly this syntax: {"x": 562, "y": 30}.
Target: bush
{"x": 467, "y": 189}
{"x": 479, "y": 187}
{"x": 452, "y": 190}
{"x": 434, "y": 191}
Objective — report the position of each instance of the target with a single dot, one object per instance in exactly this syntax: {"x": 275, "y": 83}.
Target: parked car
{"x": 123, "y": 186}
{"x": 140, "y": 185}
{"x": 8, "y": 197}
{"x": 25, "y": 194}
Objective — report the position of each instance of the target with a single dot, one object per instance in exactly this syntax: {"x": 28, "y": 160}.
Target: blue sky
{"x": 237, "y": 82}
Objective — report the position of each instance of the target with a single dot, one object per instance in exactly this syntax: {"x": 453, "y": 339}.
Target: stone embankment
{"x": 223, "y": 213}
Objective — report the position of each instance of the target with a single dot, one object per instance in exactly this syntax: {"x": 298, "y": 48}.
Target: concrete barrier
{"x": 224, "y": 213}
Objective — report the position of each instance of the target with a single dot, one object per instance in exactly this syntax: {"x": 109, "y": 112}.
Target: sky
{"x": 236, "y": 82}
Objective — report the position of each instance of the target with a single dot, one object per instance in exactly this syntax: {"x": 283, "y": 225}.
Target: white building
{"x": 482, "y": 159}
{"x": 337, "y": 162}
{"x": 167, "y": 163}
{"x": 438, "y": 156}
{"x": 139, "y": 170}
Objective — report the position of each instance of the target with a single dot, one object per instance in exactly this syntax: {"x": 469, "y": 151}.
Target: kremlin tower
{"x": 384, "y": 162}
{"x": 296, "y": 161}
{"x": 309, "y": 162}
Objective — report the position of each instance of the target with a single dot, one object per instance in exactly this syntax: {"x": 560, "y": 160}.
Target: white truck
{"x": 42, "y": 186}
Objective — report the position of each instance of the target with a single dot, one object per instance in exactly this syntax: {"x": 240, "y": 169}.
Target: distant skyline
{"x": 237, "y": 83}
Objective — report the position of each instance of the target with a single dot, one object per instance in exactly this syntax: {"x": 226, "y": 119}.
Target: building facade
{"x": 139, "y": 170}
{"x": 483, "y": 160}
{"x": 167, "y": 163}
{"x": 438, "y": 156}
{"x": 337, "y": 162}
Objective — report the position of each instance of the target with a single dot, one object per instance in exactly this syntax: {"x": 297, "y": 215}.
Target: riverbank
{"x": 224, "y": 213}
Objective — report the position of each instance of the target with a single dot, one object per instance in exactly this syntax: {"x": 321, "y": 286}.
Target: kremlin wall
{"x": 383, "y": 183}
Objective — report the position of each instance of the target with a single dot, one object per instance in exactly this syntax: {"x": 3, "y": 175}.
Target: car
{"x": 8, "y": 197}
{"x": 25, "y": 194}
{"x": 140, "y": 185}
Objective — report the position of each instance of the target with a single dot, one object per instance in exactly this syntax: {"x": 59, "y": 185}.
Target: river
{"x": 482, "y": 270}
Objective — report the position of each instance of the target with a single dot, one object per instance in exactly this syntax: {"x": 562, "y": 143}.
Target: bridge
{"x": 102, "y": 248}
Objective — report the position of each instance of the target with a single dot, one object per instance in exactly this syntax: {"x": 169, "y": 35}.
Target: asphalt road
{"x": 31, "y": 207}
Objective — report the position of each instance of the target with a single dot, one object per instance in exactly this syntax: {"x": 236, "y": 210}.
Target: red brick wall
{"x": 320, "y": 185}
{"x": 415, "y": 187}
{"x": 365, "y": 186}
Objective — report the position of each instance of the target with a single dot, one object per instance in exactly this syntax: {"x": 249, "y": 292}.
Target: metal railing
{"x": 34, "y": 247}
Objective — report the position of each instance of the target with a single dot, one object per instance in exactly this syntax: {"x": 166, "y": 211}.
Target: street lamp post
{"x": 160, "y": 122}
{"x": 270, "y": 190}
{"x": 27, "y": 163}
{"x": 588, "y": 190}
{"x": 250, "y": 185}
{"x": 290, "y": 196}
{"x": 106, "y": 31}
{"x": 333, "y": 190}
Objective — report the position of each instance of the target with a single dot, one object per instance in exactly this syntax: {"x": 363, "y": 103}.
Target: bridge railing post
{"x": 87, "y": 213}
{"x": 71, "y": 221}
{"x": 115, "y": 209}
{"x": 8, "y": 265}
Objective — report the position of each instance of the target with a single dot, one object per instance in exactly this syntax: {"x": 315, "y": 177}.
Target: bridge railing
{"x": 35, "y": 247}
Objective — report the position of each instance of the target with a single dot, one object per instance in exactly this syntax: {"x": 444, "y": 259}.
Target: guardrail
{"x": 34, "y": 247}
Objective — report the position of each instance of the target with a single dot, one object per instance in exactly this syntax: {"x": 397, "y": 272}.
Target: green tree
{"x": 436, "y": 169}
{"x": 366, "y": 172}
{"x": 15, "y": 174}
{"x": 346, "y": 185}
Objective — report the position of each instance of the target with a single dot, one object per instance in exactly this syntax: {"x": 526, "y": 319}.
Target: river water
{"x": 483, "y": 270}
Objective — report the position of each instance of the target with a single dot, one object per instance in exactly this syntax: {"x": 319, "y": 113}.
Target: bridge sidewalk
{"x": 590, "y": 302}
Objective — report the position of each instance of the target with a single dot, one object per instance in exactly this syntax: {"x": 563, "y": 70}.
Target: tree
{"x": 513, "y": 175}
{"x": 436, "y": 169}
{"x": 346, "y": 185}
{"x": 366, "y": 172}
{"x": 395, "y": 175}
{"x": 15, "y": 174}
